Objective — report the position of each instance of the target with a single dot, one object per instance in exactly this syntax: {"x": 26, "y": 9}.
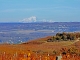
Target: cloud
{"x": 29, "y": 20}
{"x": 34, "y": 19}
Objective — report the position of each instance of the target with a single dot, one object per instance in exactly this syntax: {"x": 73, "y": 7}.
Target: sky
{"x": 39, "y": 10}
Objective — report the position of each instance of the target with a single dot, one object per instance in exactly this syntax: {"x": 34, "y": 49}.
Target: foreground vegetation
{"x": 65, "y": 54}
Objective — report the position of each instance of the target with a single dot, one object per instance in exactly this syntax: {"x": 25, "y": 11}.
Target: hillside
{"x": 42, "y": 44}
{"x": 40, "y": 47}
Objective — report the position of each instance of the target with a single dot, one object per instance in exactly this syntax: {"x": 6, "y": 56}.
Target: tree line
{"x": 65, "y": 36}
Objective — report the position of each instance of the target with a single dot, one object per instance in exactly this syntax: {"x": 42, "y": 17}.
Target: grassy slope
{"x": 38, "y": 45}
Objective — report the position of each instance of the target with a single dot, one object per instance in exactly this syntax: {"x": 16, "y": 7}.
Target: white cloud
{"x": 28, "y": 20}
{"x": 34, "y": 19}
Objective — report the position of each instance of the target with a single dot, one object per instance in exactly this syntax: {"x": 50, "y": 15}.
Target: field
{"x": 40, "y": 47}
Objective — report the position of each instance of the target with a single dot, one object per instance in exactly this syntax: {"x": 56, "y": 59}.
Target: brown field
{"x": 41, "y": 46}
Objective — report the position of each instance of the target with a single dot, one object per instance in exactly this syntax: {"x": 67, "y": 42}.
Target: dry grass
{"x": 37, "y": 45}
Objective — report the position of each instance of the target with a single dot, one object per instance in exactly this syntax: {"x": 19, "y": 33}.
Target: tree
{"x": 54, "y": 38}
{"x": 57, "y": 34}
{"x": 64, "y": 37}
{"x": 72, "y": 36}
{"x": 58, "y": 38}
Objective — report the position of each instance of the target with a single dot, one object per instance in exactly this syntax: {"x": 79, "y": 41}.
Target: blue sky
{"x": 39, "y": 10}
